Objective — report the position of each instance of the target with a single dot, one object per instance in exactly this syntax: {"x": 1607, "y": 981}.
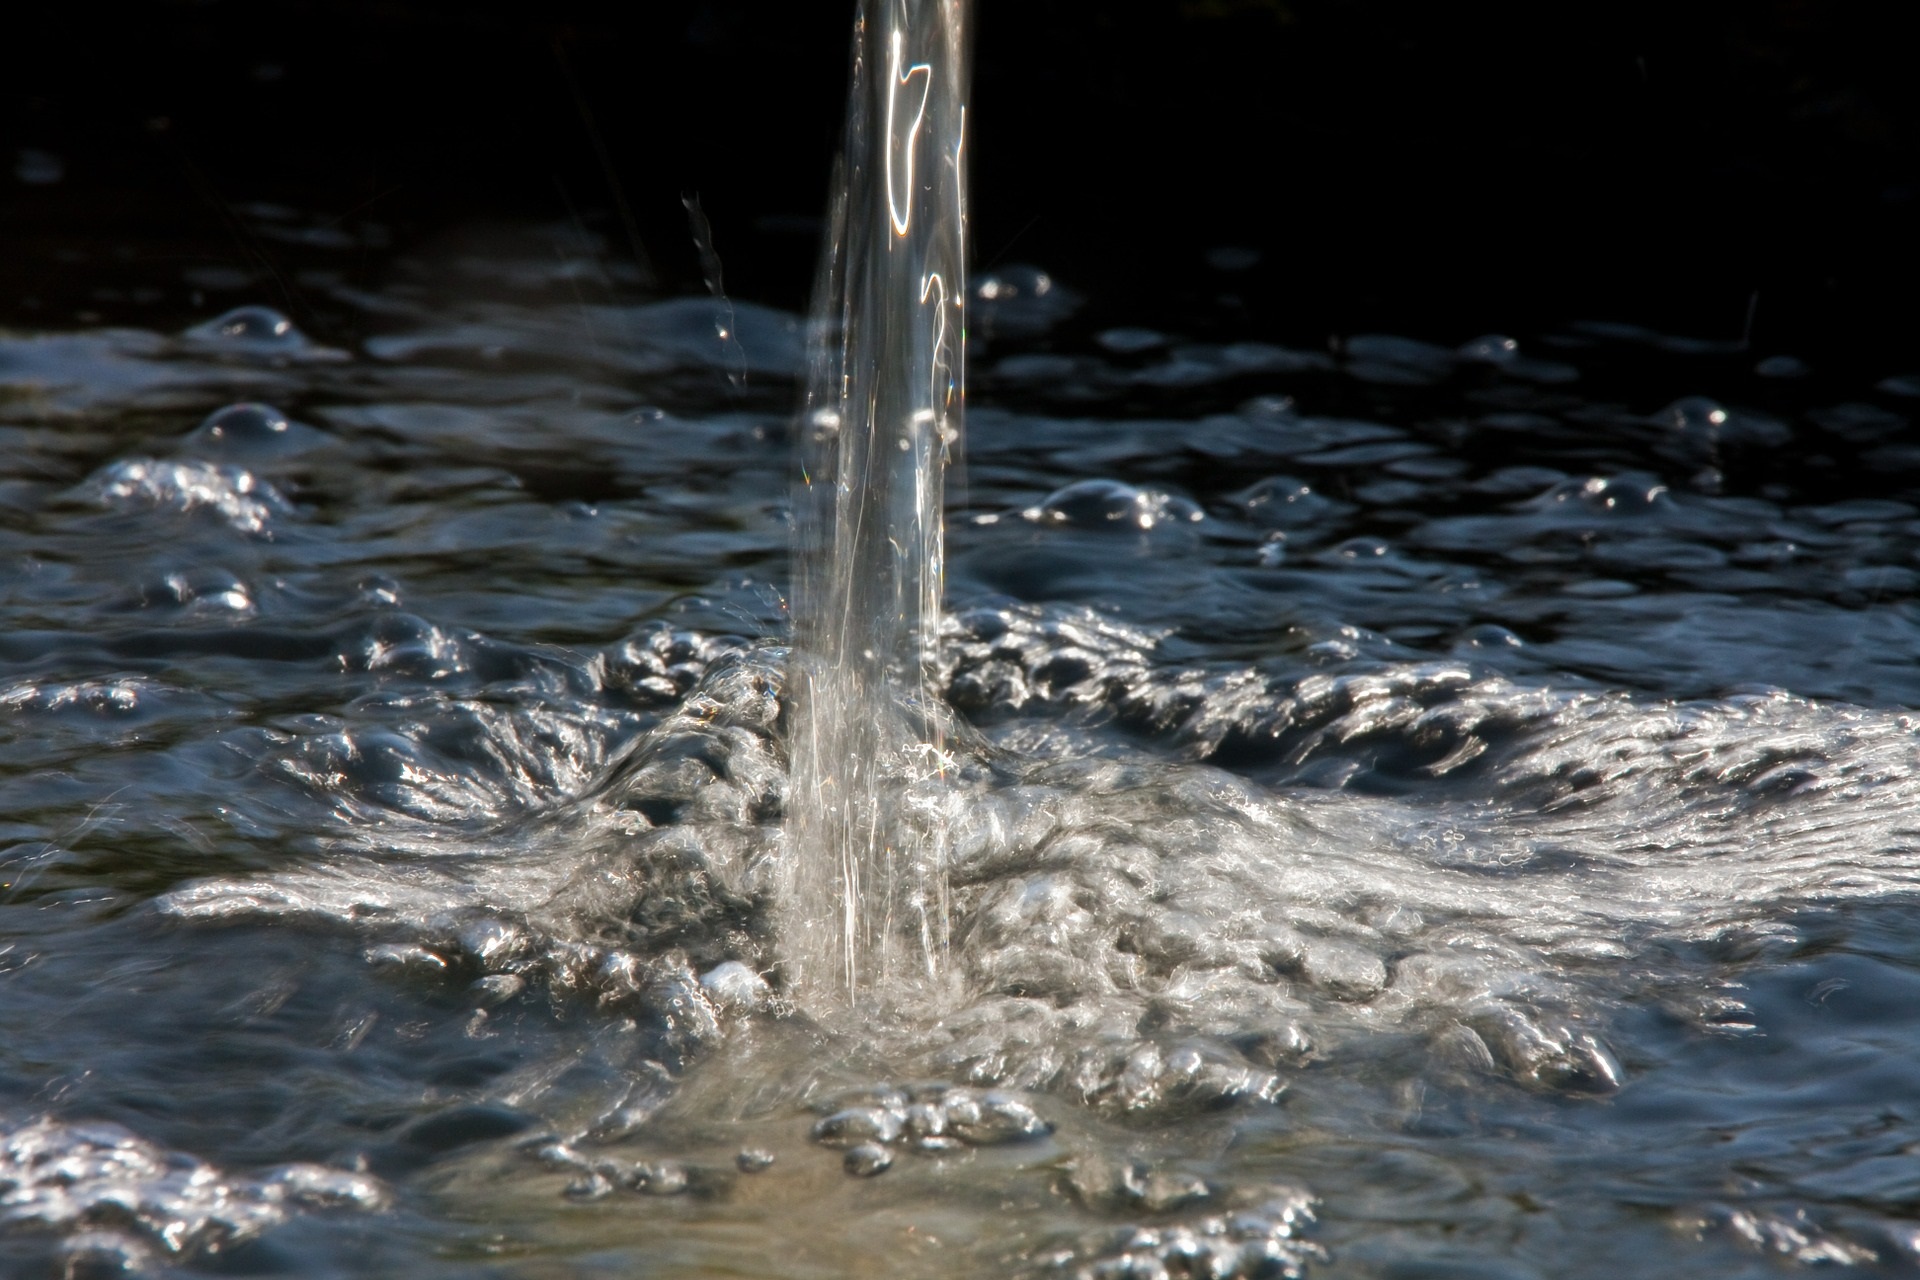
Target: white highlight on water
{"x": 867, "y": 903}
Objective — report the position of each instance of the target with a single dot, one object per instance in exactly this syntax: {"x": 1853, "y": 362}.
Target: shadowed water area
{"x": 1417, "y": 806}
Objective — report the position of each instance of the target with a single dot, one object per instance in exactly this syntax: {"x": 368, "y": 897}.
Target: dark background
{"x": 1433, "y": 168}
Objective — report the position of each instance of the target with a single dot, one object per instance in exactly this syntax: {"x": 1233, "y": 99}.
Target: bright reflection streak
{"x": 900, "y": 195}
{"x": 935, "y": 285}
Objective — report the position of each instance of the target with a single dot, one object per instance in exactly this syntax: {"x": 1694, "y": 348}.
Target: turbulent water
{"x": 1413, "y": 809}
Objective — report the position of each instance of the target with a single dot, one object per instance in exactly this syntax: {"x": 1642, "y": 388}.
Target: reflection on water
{"x": 1418, "y": 807}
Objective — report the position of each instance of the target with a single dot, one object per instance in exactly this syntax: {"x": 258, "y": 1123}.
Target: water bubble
{"x": 1694, "y": 413}
{"x": 926, "y": 1120}
{"x": 245, "y": 425}
{"x": 95, "y": 697}
{"x": 593, "y": 1186}
{"x": 261, "y": 325}
{"x": 992, "y": 1118}
{"x": 753, "y": 1160}
{"x": 1622, "y": 495}
{"x": 1106, "y": 1182}
{"x": 732, "y": 985}
{"x": 253, "y": 330}
{"x": 1020, "y": 302}
{"x": 406, "y": 957}
{"x": 1015, "y": 282}
{"x": 1259, "y": 1242}
{"x": 856, "y": 1125}
{"x": 867, "y": 1160}
{"x": 1490, "y": 636}
{"x": 1537, "y": 1052}
{"x": 201, "y": 591}
{"x": 1358, "y": 551}
{"x": 1698, "y": 428}
{"x": 252, "y": 431}
{"x": 659, "y": 1178}
{"x": 1106, "y": 504}
{"x": 1906, "y": 385}
{"x": 1494, "y": 348}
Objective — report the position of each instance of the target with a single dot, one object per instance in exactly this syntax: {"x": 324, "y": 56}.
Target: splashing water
{"x": 882, "y": 414}
{"x": 1470, "y": 837}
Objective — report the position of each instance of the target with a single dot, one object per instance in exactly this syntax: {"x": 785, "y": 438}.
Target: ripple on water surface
{"x": 1399, "y": 810}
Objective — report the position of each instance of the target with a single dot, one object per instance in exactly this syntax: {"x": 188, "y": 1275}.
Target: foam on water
{"x": 1099, "y": 952}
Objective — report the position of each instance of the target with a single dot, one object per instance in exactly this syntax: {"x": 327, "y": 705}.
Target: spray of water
{"x": 867, "y": 903}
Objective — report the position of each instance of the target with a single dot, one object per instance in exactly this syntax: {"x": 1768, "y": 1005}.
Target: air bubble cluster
{"x": 597, "y": 1177}
{"x": 1261, "y": 1240}
{"x": 870, "y": 1125}
{"x": 117, "y": 1201}
{"x": 233, "y": 494}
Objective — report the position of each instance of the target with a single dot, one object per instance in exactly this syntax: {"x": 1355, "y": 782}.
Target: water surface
{"x": 1420, "y": 806}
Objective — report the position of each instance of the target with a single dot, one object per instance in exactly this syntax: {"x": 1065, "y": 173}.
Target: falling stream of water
{"x": 882, "y": 416}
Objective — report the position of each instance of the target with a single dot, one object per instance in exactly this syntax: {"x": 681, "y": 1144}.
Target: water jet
{"x": 867, "y": 904}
